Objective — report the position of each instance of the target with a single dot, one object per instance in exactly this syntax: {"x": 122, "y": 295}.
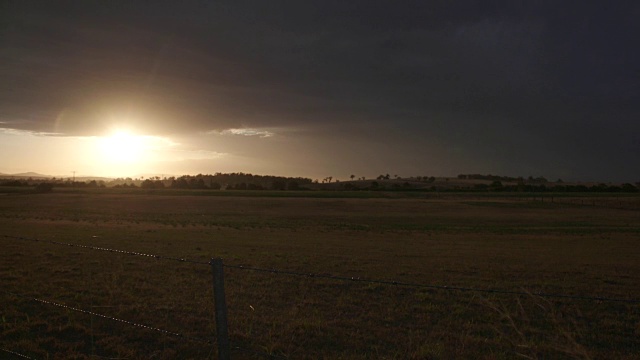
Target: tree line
{"x": 247, "y": 181}
{"x": 530, "y": 179}
{"x": 217, "y": 181}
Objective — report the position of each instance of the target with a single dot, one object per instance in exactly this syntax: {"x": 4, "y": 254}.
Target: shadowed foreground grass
{"x": 506, "y": 244}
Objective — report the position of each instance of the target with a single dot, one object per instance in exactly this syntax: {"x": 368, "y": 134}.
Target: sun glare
{"x": 125, "y": 153}
{"x": 123, "y": 148}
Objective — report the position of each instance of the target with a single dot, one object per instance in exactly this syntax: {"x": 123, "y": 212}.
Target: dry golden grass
{"x": 455, "y": 240}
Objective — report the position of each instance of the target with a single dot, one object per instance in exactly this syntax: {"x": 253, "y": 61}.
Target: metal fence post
{"x": 222, "y": 332}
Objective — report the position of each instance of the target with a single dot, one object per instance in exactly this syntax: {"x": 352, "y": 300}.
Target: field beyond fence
{"x": 94, "y": 276}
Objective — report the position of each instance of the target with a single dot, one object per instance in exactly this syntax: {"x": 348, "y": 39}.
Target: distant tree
{"x": 387, "y": 177}
{"x": 152, "y": 184}
{"x": 278, "y": 185}
{"x": 199, "y": 184}
{"x": 180, "y": 183}
{"x": 293, "y": 185}
{"x": 352, "y": 177}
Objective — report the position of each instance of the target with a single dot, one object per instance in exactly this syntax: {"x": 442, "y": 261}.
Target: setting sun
{"x": 123, "y": 147}
{"x": 126, "y": 153}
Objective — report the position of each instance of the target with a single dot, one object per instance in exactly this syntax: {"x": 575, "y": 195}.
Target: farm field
{"x": 501, "y": 242}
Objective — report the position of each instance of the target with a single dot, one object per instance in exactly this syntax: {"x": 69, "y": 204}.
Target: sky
{"x": 321, "y": 88}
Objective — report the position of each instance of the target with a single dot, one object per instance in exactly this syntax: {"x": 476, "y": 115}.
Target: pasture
{"x": 500, "y": 242}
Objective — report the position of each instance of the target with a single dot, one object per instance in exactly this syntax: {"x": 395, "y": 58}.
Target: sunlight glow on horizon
{"x": 122, "y": 153}
{"x": 123, "y": 147}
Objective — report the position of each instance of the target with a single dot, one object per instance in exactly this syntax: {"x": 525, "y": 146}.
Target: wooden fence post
{"x": 222, "y": 332}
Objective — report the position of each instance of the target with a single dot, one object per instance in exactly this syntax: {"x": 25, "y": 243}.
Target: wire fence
{"x": 113, "y": 318}
{"x": 212, "y": 342}
{"x": 160, "y": 257}
{"x": 148, "y": 327}
{"x": 339, "y": 278}
{"x": 127, "y": 322}
{"x": 17, "y": 354}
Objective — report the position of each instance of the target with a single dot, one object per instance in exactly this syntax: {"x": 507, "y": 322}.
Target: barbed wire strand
{"x": 108, "y": 250}
{"x": 429, "y": 286}
{"x": 237, "y": 348}
{"x": 131, "y": 323}
{"x": 343, "y": 278}
{"x": 17, "y": 354}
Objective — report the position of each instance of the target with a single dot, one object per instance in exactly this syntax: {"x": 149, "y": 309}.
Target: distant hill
{"x": 32, "y": 175}
{"x": 35, "y": 175}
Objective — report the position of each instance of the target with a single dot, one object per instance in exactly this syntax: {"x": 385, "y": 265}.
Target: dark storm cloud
{"x": 490, "y": 79}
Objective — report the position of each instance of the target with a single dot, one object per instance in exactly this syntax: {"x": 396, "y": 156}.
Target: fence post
{"x": 222, "y": 332}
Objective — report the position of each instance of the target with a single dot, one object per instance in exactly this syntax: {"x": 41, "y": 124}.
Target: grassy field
{"x": 505, "y": 242}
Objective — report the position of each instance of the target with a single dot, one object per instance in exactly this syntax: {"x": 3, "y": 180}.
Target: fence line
{"x": 265, "y": 270}
{"x": 108, "y": 250}
{"x": 131, "y": 323}
{"x": 341, "y": 278}
{"x": 148, "y": 327}
{"x": 16, "y": 354}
